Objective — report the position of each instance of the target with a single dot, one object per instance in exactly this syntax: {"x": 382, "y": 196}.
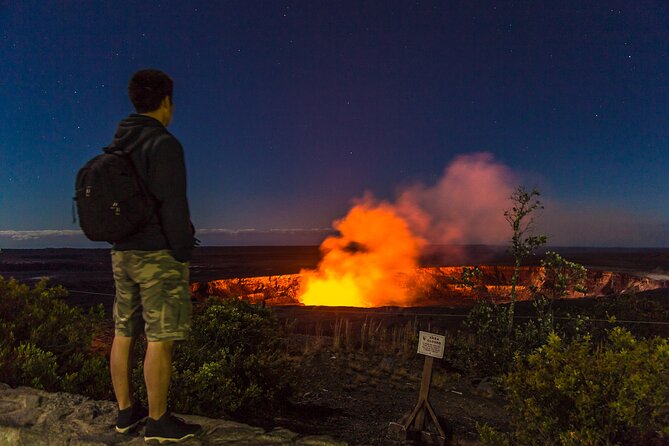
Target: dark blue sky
{"x": 288, "y": 110}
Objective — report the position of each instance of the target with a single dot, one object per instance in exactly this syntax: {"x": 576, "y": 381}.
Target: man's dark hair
{"x": 147, "y": 88}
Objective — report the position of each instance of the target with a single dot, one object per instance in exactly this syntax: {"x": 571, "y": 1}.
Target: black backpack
{"x": 112, "y": 200}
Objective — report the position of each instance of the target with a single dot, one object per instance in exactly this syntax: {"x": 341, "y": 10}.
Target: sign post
{"x": 432, "y": 346}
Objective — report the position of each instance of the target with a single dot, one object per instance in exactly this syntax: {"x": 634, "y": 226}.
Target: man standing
{"x": 151, "y": 267}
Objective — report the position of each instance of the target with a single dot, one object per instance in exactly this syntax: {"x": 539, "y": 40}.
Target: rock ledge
{"x": 34, "y": 417}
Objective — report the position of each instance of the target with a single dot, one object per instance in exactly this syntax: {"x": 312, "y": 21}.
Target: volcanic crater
{"x": 434, "y": 286}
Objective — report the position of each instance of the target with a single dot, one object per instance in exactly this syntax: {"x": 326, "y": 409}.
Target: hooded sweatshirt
{"x": 159, "y": 160}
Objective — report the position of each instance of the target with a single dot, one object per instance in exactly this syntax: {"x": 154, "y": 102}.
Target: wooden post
{"x": 431, "y": 346}
{"x": 424, "y": 392}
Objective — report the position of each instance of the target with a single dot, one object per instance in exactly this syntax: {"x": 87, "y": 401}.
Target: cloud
{"x": 59, "y": 238}
{"x": 44, "y": 233}
{"x": 466, "y": 205}
{"x": 46, "y": 238}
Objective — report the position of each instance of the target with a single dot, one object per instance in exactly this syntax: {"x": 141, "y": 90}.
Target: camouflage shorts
{"x": 152, "y": 294}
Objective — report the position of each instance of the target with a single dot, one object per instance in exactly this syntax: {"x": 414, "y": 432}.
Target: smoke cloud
{"x": 465, "y": 206}
{"x": 375, "y": 254}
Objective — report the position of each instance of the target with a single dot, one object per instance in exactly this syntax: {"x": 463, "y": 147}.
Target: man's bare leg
{"x": 157, "y": 375}
{"x": 120, "y": 364}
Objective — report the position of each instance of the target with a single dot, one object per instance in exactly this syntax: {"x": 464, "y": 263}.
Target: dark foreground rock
{"x": 33, "y": 417}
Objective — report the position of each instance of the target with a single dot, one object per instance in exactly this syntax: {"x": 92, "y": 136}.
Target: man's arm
{"x": 168, "y": 185}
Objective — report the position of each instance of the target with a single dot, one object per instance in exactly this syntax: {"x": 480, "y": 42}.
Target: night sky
{"x": 287, "y": 111}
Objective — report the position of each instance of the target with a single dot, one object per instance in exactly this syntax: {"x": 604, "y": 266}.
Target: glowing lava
{"x": 365, "y": 265}
{"x": 373, "y": 262}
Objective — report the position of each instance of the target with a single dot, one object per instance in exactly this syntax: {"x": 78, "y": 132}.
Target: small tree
{"x": 523, "y": 242}
{"x": 560, "y": 276}
{"x": 472, "y": 278}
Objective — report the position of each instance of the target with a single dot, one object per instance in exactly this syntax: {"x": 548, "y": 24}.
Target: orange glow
{"x": 366, "y": 264}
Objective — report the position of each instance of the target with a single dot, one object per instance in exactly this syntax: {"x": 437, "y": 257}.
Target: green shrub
{"x": 35, "y": 367}
{"x": 92, "y": 378}
{"x": 234, "y": 362}
{"x": 486, "y": 348}
{"x": 580, "y": 393}
{"x": 47, "y": 343}
{"x": 489, "y": 436}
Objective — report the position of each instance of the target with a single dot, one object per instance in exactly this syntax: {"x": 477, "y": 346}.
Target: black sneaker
{"x": 169, "y": 428}
{"x": 130, "y": 417}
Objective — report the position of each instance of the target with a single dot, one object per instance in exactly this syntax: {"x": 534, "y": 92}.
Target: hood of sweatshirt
{"x": 135, "y": 130}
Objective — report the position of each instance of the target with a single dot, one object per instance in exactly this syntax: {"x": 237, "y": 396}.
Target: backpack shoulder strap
{"x": 115, "y": 150}
{"x": 119, "y": 151}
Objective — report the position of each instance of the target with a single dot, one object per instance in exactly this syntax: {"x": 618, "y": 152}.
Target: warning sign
{"x": 430, "y": 344}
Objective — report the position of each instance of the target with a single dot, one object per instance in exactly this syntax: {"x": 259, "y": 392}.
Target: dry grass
{"x": 315, "y": 343}
{"x": 442, "y": 380}
{"x": 401, "y": 374}
{"x": 342, "y": 336}
{"x": 373, "y": 353}
{"x": 357, "y": 366}
{"x": 373, "y": 336}
{"x": 369, "y": 336}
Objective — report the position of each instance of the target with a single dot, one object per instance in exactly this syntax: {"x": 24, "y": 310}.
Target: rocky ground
{"x": 354, "y": 396}
{"x": 34, "y": 417}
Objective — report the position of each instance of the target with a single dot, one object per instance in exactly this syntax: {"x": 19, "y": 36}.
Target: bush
{"x": 36, "y": 367}
{"x": 486, "y": 348}
{"x": 581, "y": 393}
{"x": 47, "y": 343}
{"x": 234, "y": 362}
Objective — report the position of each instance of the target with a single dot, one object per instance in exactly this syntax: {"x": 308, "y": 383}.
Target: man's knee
{"x": 161, "y": 347}
{"x": 123, "y": 342}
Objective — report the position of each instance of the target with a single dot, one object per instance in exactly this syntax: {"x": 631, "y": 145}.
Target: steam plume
{"x": 379, "y": 242}
{"x": 466, "y": 205}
